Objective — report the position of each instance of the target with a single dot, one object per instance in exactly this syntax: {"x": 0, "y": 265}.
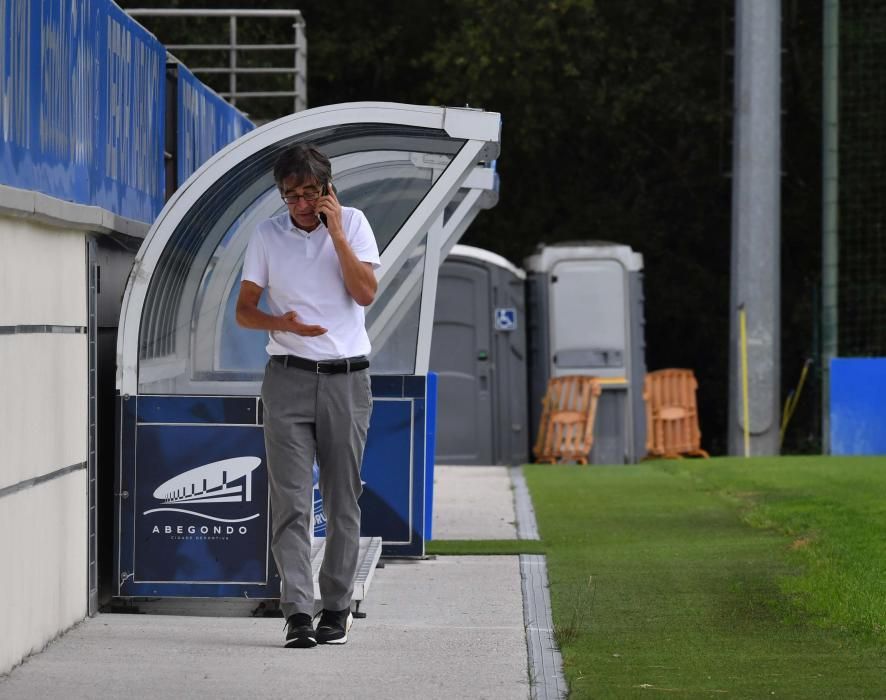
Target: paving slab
{"x": 445, "y": 628}
{"x": 473, "y": 503}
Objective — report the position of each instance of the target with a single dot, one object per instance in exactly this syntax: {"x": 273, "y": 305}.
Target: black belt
{"x": 349, "y": 364}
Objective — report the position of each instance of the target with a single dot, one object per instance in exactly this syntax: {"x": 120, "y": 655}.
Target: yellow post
{"x": 743, "y": 325}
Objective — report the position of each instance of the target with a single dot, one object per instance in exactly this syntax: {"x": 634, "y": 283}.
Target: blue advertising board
{"x": 83, "y": 98}
{"x": 206, "y": 124}
{"x": 193, "y": 516}
{"x": 858, "y": 406}
{"x": 193, "y": 505}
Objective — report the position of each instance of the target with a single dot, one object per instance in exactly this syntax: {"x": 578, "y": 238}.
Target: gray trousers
{"x": 308, "y": 415}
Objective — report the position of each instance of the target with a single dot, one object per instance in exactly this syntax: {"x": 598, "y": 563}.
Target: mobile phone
{"x": 323, "y": 192}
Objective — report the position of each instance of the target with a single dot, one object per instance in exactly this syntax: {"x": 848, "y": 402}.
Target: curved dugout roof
{"x": 487, "y": 256}
{"x": 420, "y": 174}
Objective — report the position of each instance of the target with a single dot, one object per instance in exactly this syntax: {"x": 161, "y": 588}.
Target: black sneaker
{"x": 334, "y": 626}
{"x": 300, "y": 632}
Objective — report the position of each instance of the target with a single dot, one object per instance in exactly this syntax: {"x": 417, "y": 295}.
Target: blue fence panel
{"x": 858, "y": 406}
{"x": 82, "y": 105}
{"x": 206, "y": 124}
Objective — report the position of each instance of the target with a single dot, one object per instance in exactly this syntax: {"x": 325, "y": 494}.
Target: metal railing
{"x": 299, "y": 47}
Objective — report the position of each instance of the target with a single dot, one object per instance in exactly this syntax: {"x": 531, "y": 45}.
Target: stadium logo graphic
{"x": 227, "y": 481}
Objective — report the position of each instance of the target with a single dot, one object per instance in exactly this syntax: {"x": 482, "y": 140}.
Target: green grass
{"x": 484, "y": 547}
{"x": 724, "y": 577}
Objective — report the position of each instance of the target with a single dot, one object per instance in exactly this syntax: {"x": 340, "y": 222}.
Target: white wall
{"x": 43, "y": 548}
{"x": 43, "y": 434}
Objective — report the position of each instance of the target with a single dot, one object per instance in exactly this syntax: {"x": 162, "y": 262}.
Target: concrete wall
{"x": 44, "y": 416}
{"x": 43, "y": 434}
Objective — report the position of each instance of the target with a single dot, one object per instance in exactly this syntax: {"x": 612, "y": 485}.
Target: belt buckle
{"x": 332, "y": 363}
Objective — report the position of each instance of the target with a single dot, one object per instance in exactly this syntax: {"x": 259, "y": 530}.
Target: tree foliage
{"x": 616, "y": 126}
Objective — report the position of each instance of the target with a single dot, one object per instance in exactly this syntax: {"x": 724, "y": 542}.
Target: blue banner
{"x": 858, "y": 406}
{"x": 203, "y": 510}
{"x": 206, "y": 124}
{"x": 82, "y": 105}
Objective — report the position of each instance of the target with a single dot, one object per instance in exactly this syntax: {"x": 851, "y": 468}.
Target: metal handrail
{"x": 299, "y": 71}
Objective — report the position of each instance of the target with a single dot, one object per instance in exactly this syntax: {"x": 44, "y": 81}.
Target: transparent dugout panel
{"x": 189, "y": 340}
{"x": 392, "y": 320}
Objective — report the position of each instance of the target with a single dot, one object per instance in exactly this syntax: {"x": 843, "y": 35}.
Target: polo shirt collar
{"x": 290, "y": 226}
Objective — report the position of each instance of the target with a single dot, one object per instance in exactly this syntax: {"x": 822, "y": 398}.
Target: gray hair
{"x": 304, "y": 162}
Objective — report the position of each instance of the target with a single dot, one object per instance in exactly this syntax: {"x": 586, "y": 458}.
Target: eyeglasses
{"x": 310, "y": 196}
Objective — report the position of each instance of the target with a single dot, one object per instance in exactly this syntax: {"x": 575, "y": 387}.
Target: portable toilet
{"x": 585, "y": 307}
{"x": 478, "y": 352}
{"x": 192, "y": 508}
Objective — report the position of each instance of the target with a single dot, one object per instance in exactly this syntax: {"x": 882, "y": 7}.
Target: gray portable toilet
{"x": 585, "y": 308}
{"x": 478, "y": 351}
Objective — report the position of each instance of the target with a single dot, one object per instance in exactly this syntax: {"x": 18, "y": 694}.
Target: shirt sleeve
{"x": 362, "y": 239}
{"x": 255, "y": 262}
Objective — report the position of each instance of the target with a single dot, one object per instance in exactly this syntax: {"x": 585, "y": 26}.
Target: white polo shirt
{"x": 300, "y": 272}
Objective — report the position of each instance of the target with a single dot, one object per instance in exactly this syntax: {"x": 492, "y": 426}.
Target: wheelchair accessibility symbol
{"x": 506, "y": 319}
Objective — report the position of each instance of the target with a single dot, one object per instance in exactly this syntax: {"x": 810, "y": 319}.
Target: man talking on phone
{"x": 317, "y": 263}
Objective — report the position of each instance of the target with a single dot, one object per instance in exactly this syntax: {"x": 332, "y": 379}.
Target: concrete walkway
{"x": 473, "y": 503}
{"x": 451, "y": 627}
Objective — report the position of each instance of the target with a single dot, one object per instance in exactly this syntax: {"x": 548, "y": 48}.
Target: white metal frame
{"x": 482, "y": 186}
{"x": 480, "y": 130}
{"x": 299, "y": 47}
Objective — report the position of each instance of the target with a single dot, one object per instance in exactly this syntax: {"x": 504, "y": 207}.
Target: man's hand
{"x": 359, "y": 276}
{"x": 250, "y": 316}
{"x": 329, "y": 205}
{"x": 289, "y": 323}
